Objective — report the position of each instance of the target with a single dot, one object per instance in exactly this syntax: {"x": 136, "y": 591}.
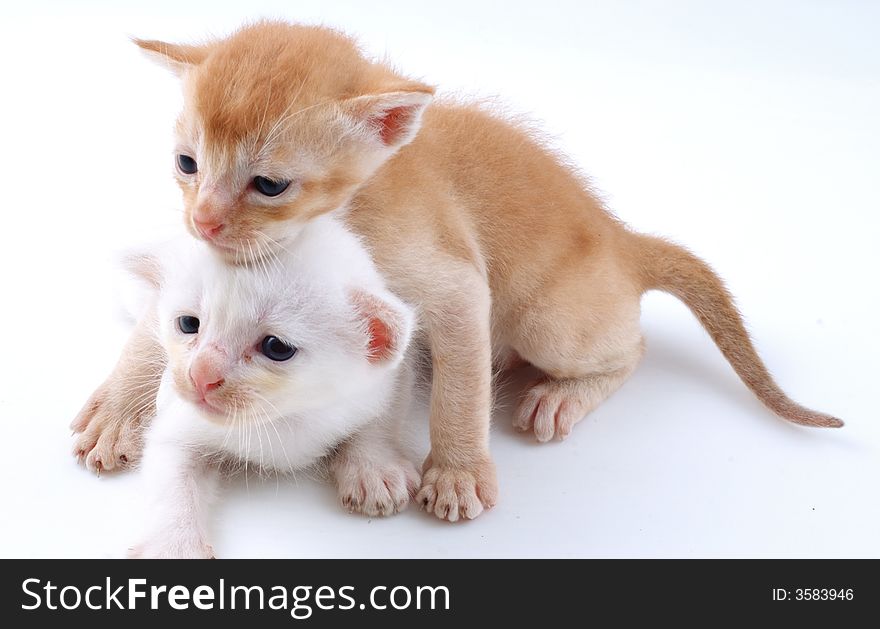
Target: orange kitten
{"x": 504, "y": 248}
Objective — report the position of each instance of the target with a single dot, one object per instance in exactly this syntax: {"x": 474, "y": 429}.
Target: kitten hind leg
{"x": 551, "y": 407}
{"x": 586, "y": 342}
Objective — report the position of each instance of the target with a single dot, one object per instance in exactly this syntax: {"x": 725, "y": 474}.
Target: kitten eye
{"x": 187, "y": 324}
{"x": 274, "y": 348}
{"x": 187, "y": 164}
{"x": 270, "y": 187}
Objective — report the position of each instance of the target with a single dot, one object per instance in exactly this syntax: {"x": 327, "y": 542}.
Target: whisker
{"x": 283, "y": 119}
{"x": 260, "y": 260}
{"x": 271, "y": 247}
{"x": 263, "y": 119}
{"x": 264, "y": 420}
{"x": 247, "y": 456}
{"x": 142, "y": 402}
{"x": 274, "y": 427}
{"x": 265, "y": 259}
{"x": 260, "y": 438}
{"x": 230, "y": 426}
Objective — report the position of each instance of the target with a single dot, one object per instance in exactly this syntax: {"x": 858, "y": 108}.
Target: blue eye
{"x": 270, "y": 187}
{"x": 275, "y": 349}
{"x": 187, "y": 164}
{"x": 187, "y": 324}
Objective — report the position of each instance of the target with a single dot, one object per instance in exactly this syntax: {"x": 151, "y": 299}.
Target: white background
{"x": 747, "y": 131}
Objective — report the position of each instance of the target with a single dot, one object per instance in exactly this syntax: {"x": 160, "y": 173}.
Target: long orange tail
{"x": 675, "y": 270}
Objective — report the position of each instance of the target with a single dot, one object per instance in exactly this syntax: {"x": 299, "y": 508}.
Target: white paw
{"x": 174, "y": 545}
{"x": 376, "y": 488}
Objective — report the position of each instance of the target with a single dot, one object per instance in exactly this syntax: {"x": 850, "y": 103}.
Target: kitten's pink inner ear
{"x": 395, "y": 117}
{"x": 382, "y": 324}
{"x": 395, "y": 123}
{"x": 381, "y": 345}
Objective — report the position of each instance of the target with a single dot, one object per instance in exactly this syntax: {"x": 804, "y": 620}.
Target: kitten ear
{"x": 145, "y": 267}
{"x": 392, "y": 118}
{"x": 176, "y": 57}
{"x": 387, "y": 323}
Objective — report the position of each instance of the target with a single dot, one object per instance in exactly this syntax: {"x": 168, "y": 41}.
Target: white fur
{"x": 328, "y": 398}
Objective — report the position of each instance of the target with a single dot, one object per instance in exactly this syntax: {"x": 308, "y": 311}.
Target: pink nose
{"x": 208, "y": 229}
{"x": 206, "y": 375}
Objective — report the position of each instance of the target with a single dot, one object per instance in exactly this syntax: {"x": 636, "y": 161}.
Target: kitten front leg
{"x": 109, "y": 427}
{"x": 459, "y": 479}
{"x": 180, "y": 486}
{"x": 373, "y": 476}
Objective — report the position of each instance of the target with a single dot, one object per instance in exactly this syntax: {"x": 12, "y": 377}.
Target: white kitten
{"x": 274, "y": 366}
